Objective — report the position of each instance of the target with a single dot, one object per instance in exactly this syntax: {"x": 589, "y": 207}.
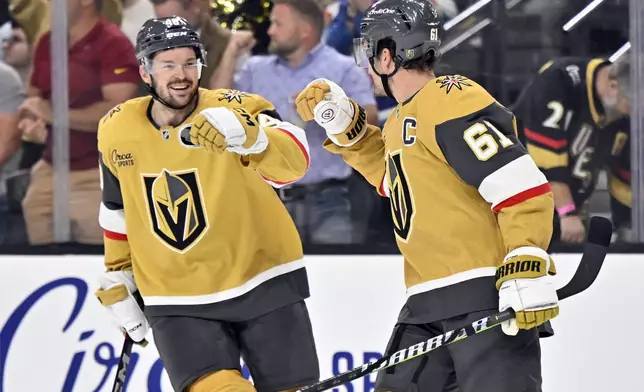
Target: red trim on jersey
{"x": 115, "y": 236}
{"x": 539, "y": 138}
{"x": 302, "y": 148}
{"x": 299, "y": 144}
{"x": 523, "y": 196}
{"x": 382, "y": 190}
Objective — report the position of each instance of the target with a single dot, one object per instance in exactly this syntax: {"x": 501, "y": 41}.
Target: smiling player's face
{"x": 175, "y": 76}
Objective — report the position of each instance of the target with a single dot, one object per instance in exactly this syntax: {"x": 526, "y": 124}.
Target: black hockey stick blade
{"x": 595, "y": 251}
{"x": 124, "y": 364}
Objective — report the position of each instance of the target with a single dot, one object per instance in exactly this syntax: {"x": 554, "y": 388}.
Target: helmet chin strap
{"x": 385, "y": 78}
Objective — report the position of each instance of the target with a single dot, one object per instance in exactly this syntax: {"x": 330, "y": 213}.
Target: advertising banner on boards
{"x": 55, "y": 336}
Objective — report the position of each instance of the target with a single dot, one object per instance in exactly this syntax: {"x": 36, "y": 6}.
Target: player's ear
{"x": 386, "y": 61}
{"x": 144, "y": 74}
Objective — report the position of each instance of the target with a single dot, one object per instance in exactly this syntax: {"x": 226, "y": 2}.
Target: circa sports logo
{"x": 84, "y": 366}
{"x": 122, "y": 159}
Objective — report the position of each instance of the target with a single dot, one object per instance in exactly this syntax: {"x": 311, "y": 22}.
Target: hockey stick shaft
{"x": 126, "y": 352}
{"x": 594, "y": 253}
{"x": 124, "y": 364}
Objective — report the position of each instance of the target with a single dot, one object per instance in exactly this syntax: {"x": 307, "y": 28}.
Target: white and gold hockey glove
{"x": 525, "y": 285}
{"x": 222, "y": 129}
{"x": 325, "y": 102}
{"x": 116, "y": 294}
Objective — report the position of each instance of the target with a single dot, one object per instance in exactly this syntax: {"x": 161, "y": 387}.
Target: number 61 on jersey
{"x": 482, "y": 142}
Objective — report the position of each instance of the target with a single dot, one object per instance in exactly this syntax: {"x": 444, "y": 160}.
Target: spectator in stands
{"x": 35, "y": 15}
{"x": 346, "y": 24}
{"x": 17, "y": 51}
{"x": 216, "y": 39}
{"x": 11, "y": 96}
{"x": 135, "y": 13}
{"x": 319, "y": 203}
{"x": 103, "y": 73}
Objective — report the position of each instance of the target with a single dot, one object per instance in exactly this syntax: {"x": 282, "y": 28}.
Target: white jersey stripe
{"x": 226, "y": 294}
{"x": 112, "y": 220}
{"x": 518, "y": 176}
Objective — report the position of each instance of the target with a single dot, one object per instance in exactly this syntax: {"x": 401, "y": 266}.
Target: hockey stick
{"x": 126, "y": 352}
{"x": 124, "y": 362}
{"x": 595, "y": 251}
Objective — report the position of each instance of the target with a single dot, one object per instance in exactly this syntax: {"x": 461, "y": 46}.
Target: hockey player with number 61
{"x": 472, "y": 212}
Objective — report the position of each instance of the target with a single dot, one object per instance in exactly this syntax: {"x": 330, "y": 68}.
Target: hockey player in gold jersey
{"x": 193, "y": 225}
{"x": 470, "y": 207}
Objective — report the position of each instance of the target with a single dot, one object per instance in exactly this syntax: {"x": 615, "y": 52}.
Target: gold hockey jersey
{"x": 200, "y": 228}
{"x": 463, "y": 193}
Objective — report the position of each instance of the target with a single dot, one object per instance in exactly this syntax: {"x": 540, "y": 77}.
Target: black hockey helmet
{"x": 167, "y": 33}
{"x": 413, "y": 25}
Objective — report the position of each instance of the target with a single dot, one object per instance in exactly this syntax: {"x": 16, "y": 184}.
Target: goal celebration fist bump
{"x": 344, "y": 121}
{"x": 222, "y": 129}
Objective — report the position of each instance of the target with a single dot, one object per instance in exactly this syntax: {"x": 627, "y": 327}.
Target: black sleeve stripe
{"x": 473, "y": 161}
{"x": 112, "y": 197}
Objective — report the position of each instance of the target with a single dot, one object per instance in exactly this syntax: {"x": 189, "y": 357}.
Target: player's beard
{"x": 172, "y": 98}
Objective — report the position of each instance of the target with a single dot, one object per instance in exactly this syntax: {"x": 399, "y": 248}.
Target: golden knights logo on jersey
{"x": 402, "y": 204}
{"x": 176, "y": 208}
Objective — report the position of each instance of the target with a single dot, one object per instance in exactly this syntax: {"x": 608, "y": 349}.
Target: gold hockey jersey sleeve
{"x": 286, "y": 159}
{"x": 367, "y": 157}
{"x": 111, "y": 217}
{"x": 483, "y": 149}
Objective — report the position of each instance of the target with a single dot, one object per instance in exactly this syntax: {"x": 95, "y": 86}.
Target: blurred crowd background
{"x": 272, "y": 48}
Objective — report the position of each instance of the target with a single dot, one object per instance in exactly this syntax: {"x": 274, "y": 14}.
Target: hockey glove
{"x": 525, "y": 285}
{"x": 325, "y": 102}
{"x": 222, "y": 129}
{"x": 116, "y": 294}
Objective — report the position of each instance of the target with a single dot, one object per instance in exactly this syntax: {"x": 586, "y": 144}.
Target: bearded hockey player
{"x": 471, "y": 210}
{"x": 568, "y": 119}
{"x": 194, "y": 226}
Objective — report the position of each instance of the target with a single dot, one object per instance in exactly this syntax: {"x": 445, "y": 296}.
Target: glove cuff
{"x": 114, "y": 278}
{"x": 355, "y": 131}
{"x": 524, "y": 263}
